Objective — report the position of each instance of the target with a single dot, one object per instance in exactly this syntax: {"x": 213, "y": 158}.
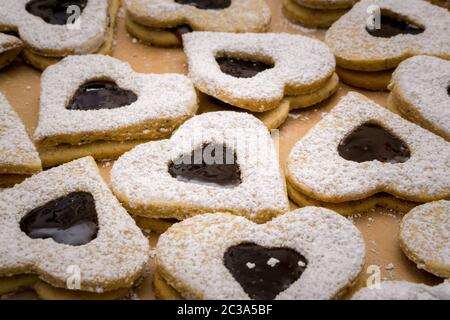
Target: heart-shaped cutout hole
{"x": 392, "y": 24}
{"x": 96, "y": 95}
{"x": 211, "y": 164}
{"x": 55, "y": 12}
{"x": 206, "y": 4}
{"x": 264, "y": 272}
{"x": 70, "y": 220}
{"x": 448, "y": 91}
{"x": 371, "y": 142}
{"x": 240, "y": 68}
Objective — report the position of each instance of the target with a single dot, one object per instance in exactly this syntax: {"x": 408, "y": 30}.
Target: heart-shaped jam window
{"x": 70, "y": 220}
{"x": 211, "y": 164}
{"x": 239, "y": 68}
{"x": 373, "y": 142}
{"x": 448, "y": 91}
{"x": 206, "y": 4}
{"x": 392, "y": 25}
{"x": 55, "y": 12}
{"x": 95, "y": 95}
{"x": 263, "y": 272}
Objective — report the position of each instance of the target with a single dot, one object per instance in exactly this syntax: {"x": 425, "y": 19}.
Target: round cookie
{"x": 425, "y": 237}
{"x": 220, "y": 256}
{"x": 402, "y": 290}
{"x": 10, "y": 47}
{"x": 420, "y": 90}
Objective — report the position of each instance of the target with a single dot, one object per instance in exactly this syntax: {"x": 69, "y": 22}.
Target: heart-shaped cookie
{"x": 402, "y": 290}
{"x": 97, "y": 105}
{"x": 54, "y": 29}
{"x": 420, "y": 90}
{"x": 311, "y": 253}
{"x": 66, "y": 219}
{"x": 360, "y": 150}
{"x": 219, "y": 161}
{"x": 257, "y": 71}
{"x": 10, "y": 47}
{"x": 162, "y": 22}
{"x": 18, "y": 155}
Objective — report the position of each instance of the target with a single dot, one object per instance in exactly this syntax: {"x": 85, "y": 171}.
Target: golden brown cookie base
{"x": 42, "y": 60}
{"x": 162, "y": 290}
{"x": 9, "y": 180}
{"x": 351, "y": 207}
{"x": 311, "y": 18}
{"x": 156, "y": 225}
{"x": 48, "y": 292}
{"x": 315, "y": 97}
{"x": 377, "y": 81}
{"x": 99, "y": 150}
{"x": 441, "y": 3}
{"x": 409, "y": 112}
{"x": 9, "y": 56}
{"x": 152, "y": 36}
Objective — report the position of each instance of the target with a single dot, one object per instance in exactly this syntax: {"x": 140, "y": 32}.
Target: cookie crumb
{"x": 250, "y": 265}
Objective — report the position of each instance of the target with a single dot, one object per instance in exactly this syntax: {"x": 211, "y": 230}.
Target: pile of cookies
{"x": 209, "y": 179}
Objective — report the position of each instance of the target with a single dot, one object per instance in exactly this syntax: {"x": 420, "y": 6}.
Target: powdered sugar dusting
{"x": 402, "y": 290}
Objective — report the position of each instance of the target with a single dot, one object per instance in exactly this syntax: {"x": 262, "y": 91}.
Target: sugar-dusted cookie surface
{"x": 339, "y": 159}
{"x": 150, "y": 180}
{"x": 10, "y": 47}
{"x": 224, "y": 16}
{"x": 425, "y": 30}
{"x": 67, "y": 219}
{"x": 290, "y": 65}
{"x": 216, "y": 256}
{"x": 402, "y": 290}
{"x": 18, "y": 155}
{"x": 96, "y": 98}
{"x": 420, "y": 89}
{"x": 425, "y": 237}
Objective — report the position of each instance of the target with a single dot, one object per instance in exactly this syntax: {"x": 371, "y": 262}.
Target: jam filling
{"x": 70, "y": 220}
{"x": 206, "y": 4}
{"x": 391, "y": 26}
{"x": 210, "y": 164}
{"x": 263, "y": 272}
{"x": 55, "y": 12}
{"x": 372, "y": 142}
{"x": 97, "y": 95}
{"x": 241, "y": 68}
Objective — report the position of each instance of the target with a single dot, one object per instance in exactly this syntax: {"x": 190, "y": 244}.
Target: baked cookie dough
{"x": 361, "y": 155}
{"x": 222, "y": 256}
{"x": 10, "y": 48}
{"x": 18, "y": 156}
{"x": 66, "y": 236}
{"x": 215, "y": 162}
{"x": 316, "y": 13}
{"x": 420, "y": 90}
{"x": 97, "y": 105}
{"x": 52, "y": 30}
{"x": 366, "y": 53}
{"x": 163, "y": 22}
{"x": 264, "y": 74}
{"x": 402, "y": 290}
{"x": 425, "y": 237}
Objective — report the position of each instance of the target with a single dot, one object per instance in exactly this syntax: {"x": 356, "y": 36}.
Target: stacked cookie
{"x": 316, "y": 13}
{"x": 375, "y": 36}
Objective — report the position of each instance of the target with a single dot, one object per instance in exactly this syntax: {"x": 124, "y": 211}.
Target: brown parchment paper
{"x": 380, "y": 228}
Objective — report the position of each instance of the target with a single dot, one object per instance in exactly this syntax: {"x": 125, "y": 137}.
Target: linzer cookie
{"x": 420, "y": 90}
{"x": 162, "y": 22}
{"x": 63, "y": 234}
{"x": 402, "y": 290}
{"x": 265, "y": 74}
{"x": 372, "y": 39}
{"x": 215, "y": 162}
{"x": 97, "y": 105}
{"x": 362, "y": 155}
{"x": 222, "y": 256}
{"x": 425, "y": 237}
{"x": 53, "y": 29}
{"x": 18, "y": 156}
{"x": 316, "y": 13}
{"x": 10, "y": 47}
